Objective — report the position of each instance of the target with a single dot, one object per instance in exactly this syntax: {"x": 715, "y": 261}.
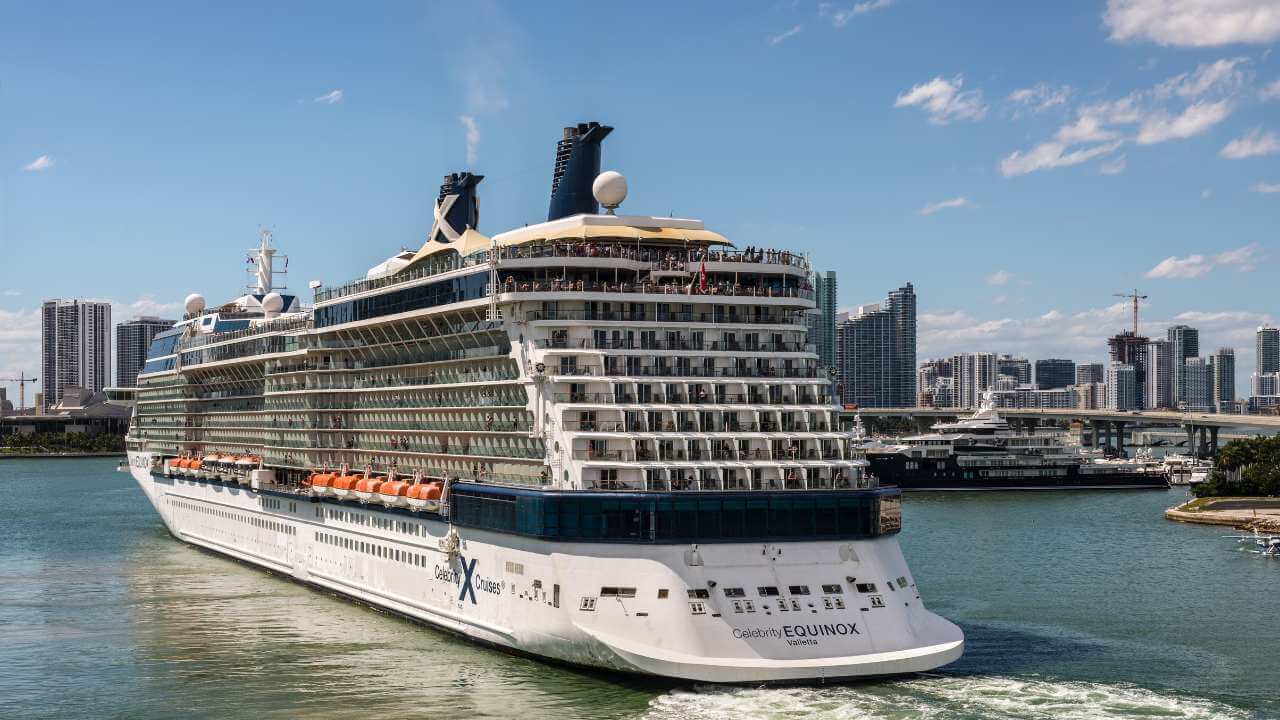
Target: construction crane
{"x": 1135, "y": 297}
{"x": 22, "y": 381}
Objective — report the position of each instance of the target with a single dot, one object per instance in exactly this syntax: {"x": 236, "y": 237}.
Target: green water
{"x": 1076, "y": 605}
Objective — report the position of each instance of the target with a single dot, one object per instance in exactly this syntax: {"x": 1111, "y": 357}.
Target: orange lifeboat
{"x": 172, "y": 466}
{"x": 367, "y": 488}
{"x": 344, "y": 485}
{"x": 425, "y": 496}
{"x": 194, "y": 467}
{"x": 394, "y": 493}
{"x": 322, "y": 483}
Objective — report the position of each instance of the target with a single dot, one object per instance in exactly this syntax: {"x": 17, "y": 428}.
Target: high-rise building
{"x": 1129, "y": 349}
{"x": 933, "y": 384}
{"x": 973, "y": 374}
{"x": 1015, "y": 367}
{"x": 1197, "y": 385}
{"x": 876, "y": 352}
{"x": 1055, "y": 373}
{"x": 1122, "y": 387}
{"x": 75, "y": 344}
{"x": 1090, "y": 373}
{"x": 1158, "y": 391}
{"x": 1268, "y": 350}
{"x": 1028, "y": 396}
{"x": 1091, "y": 395}
{"x": 1184, "y": 342}
{"x": 132, "y": 340}
{"x": 1224, "y": 378}
{"x": 822, "y": 320}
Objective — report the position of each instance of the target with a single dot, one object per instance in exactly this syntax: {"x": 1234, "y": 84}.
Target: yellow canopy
{"x": 471, "y": 241}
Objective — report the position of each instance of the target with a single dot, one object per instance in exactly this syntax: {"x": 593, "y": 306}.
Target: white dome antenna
{"x": 194, "y": 304}
{"x": 272, "y": 303}
{"x": 610, "y": 189}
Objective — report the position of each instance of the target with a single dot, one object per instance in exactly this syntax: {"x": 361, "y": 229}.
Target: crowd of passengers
{"x": 667, "y": 258}
{"x": 695, "y": 286}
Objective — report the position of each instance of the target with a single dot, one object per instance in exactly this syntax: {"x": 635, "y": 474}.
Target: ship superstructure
{"x": 601, "y": 439}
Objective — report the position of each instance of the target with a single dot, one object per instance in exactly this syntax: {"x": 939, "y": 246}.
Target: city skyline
{"x": 1016, "y": 190}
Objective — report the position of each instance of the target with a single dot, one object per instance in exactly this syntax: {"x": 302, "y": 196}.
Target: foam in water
{"x": 941, "y": 698}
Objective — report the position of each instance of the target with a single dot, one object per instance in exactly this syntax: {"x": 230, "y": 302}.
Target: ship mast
{"x": 263, "y": 270}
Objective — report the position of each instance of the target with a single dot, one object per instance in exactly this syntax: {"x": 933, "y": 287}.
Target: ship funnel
{"x": 457, "y": 207}
{"x": 577, "y": 165}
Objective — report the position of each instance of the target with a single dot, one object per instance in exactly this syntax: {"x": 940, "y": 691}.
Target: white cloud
{"x": 1000, "y": 300}
{"x": 1052, "y": 315}
{"x": 945, "y": 204}
{"x": 1271, "y": 91}
{"x": 482, "y": 83}
{"x": 999, "y": 277}
{"x": 1252, "y": 144}
{"x": 1115, "y": 166}
{"x": 1266, "y": 188}
{"x": 332, "y": 97}
{"x": 839, "y": 18}
{"x": 11, "y": 293}
{"x": 473, "y": 138}
{"x": 44, "y": 162}
{"x": 1196, "y": 119}
{"x": 1206, "y": 193}
{"x": 944, "y": 101}
{"x": 783, "y": 37}
{"x": 1221, "y": 77}
{"x": 1193, "y": 23}
{"x": 1051, "y": 155}
{"x": 1244, "y": 259}
{"x": 1040, "y": 97}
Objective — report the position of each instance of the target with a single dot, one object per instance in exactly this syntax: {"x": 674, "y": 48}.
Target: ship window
{"x": 621, "y": 592}
{"x": 768, "y": 591}
{"x": 798, "y": 589}
{"x": 902, "y": 582}
{"x": 832, "y": 589}
{"x": 662, "y": 593}
{"x": 699, "y": 594}
{"x": 734, "y": 592}
{"x": 866, "y": 587}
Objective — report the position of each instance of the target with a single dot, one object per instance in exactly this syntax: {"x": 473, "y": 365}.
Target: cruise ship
{"x": 981, "y": 452}
{"x": 601, "y": 440}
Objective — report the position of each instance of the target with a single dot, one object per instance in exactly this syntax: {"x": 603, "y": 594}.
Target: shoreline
{"x": 38, "y": 456}
{"x": 1200, "y": 511}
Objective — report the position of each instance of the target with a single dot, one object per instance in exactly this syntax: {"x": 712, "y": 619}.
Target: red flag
{"x": 702, "y": 277}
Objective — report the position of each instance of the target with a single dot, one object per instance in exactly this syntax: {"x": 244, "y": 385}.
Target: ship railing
{"x": 661, "y": 371}
{"x": 397, "y": 382}
{"x": 718, "y": 318}
{"x": 715, "y": 289}
{"x": 663, "y": 258}
{"x": 271, "y": 326}
{"x": 435, "y": 266}
{"x": 624, "y": 344}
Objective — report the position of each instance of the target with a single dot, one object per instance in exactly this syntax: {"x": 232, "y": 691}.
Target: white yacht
{"x": 600, "y": 440}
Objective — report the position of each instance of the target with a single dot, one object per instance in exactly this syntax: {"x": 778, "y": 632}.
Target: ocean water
{"x": 1076, "y": 605}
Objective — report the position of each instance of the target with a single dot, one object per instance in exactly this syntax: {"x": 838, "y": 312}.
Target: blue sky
{"x": 1018, "y": 162}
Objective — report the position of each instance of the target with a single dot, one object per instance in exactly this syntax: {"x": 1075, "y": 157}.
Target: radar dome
{"x": 194, "y": 303}
{"x": 610, "y": 189}
{"x": 272, "y": 303}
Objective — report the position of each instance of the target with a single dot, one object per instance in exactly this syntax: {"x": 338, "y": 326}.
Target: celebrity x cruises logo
{"x": 468, "y": 569}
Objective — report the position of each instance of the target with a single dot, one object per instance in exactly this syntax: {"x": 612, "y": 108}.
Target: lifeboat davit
{"x": 223, "y": 469}
{"x": 321, "y": 483}
{"x": 394, "y": 493}
{"x": 208, "y": 467}
{"x": 425, "y": 496}
{"x": 344, "y": 485}
{"x": 367, "y": 489}
{"x": 243, "y": 466}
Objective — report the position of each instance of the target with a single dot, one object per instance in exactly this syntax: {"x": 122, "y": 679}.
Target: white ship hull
{"x": 554, "y": 600}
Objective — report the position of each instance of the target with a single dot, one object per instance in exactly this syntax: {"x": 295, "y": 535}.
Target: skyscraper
{"x": 75, "y": 347}
{"x": 1090, "y": 373}
{"x": 1055, "y": 373}
{"x": 822, "y": 320}
{"x": 1224, "y": 378}
{"x": 972, "y": 375}
{"x": 1184, "y": 342}
{"x": 1268, "y": 350}
{"x": 876, "y": 352}
{"x": 1015, "y": 367}
{"x": 1159, "y": 381}
{"x": 1197, "y": 384}
{"x": 1129, "y": 349}
{"x": 132, "y": 340}
{"x": 1122, "y": 387}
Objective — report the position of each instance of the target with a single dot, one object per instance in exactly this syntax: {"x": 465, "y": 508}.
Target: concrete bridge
{"x": 1103, "y": 427}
